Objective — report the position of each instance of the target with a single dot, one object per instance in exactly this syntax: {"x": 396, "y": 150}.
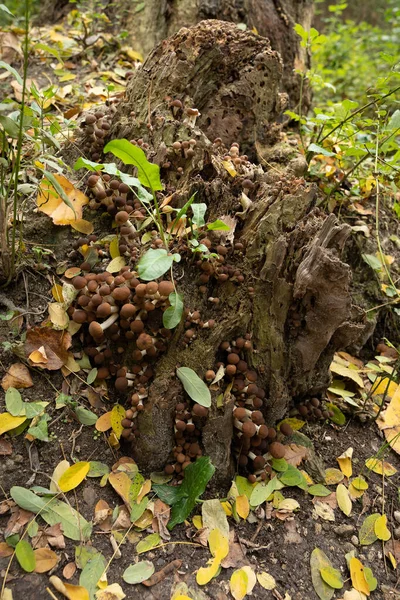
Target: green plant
{"x": 154, "y": 263}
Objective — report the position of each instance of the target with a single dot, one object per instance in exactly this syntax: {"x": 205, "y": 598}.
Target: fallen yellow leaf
{"x": 73, "y": 476}
{"x": 344, "y": 461}
{"x": 9, "y": 422}
{"x": 242, "y": 506}
{"x": 381, "y": 530}
{"x": 238, "y": 584}
{"x": 357, "y": 576}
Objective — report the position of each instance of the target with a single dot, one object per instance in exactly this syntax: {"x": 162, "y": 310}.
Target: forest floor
{"x": 271, "y": 538}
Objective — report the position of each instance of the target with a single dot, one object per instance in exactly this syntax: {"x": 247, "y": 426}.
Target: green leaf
{"x": 332, "y": 577}
{"x": 372, "y": 261}
{"x": 40, "y": 430}
{"x": 338, "y": 417}
{"x": 154, "y": 263}
{"x": 194, "y": 386}
{"x": 173, "y": 315}
{"x": 4, "y": 8}
{"x": 138, "y": 509}
{"x": 75, "y": 527}
{"x": 279, "y": 465}
{"x": 14, "y": 402}
{"x": 27, "y": 499}
{"x": 10, "y": 126}
{"x": 148, "y": 543}
{"x": 91, "y": 574}
{"x": 83, "y": 554}
{"x": 49, "y": 50}
{"x": 25, "y": 556}
{"x": 91, "y": 376}
{"x": 319, "y": 150}
{"x": 97, "y": 469}
{"x": 4, "y": 65}
{"x": 183, "y": 498}
{"x": 85, "y": 416}
{"x": 293, "y": 477}
{"x": 367, "y": 535}
{"x": 218, "y": 225}
{"x": 263, "y": 491}
{"x": 148, "y": 173}
{"x": 371, "y": 580}
{"x": 139, "y": 572}
{"x": 319, "y": 561}
{"x": 394, "y": 121}
{"x": 318, "y": 490}
{"x": 84, "y": 163}
{"x": 34, "y": 409}
{"x": 199, "y": 210}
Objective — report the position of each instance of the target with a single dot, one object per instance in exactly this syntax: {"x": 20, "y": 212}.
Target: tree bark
{"x": 287, "y": 288}
{"x": 274, "y": 19}
{"x": 294, "y": 302}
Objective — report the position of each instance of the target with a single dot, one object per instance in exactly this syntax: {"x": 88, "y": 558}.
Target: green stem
{"x": 19, "y": 142}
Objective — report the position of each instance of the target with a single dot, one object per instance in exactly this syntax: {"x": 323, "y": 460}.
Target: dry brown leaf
{"x": 17, "y": 376}
{"x": 295, "y": 454}
{"x": 122, "y": 461}
{"x": 69, "y": 570}
{"x": 161, "y": 517}
{"x": 123, "y": 520}
{"x": 103, "y": 515}
{"x": 46, "y": 560}
{"x": 5, "y": 447}
{"x": 235, "y": 556}
{"x": 52, "y": 536}
{"x": 331, "y": 500}
{"x": 55, "y": 344}
{"x": 5, "y": 506}
{"x": 393, "y": 546}
{"x": 16, "y": 523}
{"x": 10, "y": 47}
{"x": 5, "y": 550}
{"x": 49, "y": 201}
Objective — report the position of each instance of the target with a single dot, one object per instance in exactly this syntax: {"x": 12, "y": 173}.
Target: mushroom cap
{"x": 121, "y": 294}
{"x": 286, "y": 429}
{"x": 271, "y": 433}
{"x": 79, "y": 316}
{"x": 252, "y": 389}
{"x": 127, "y": 311}
{"x": 258, "y": 463}
{"x": 231, "y": 370}
{"x": 103, "y": 310}
{"x": 240, "y": 413}
{"x": 121, "y": 384}
{"x": 277, "y": 450}
{"x": 249, "y": 429}
{"x": 95, "y": 330}
{"x": 263, "y": 432}
{"x": 152, "y": 288}
{"x": 257, "y": 417}
{"x": 137, "y": 326}
{"x": 121, "y": 217}
{"x": 199, "y": 411}
{"x": 233, "y": 358}
{"x": 180, "y": 425}
{"x": 251, "y": 376}
{"x": 144, "y": 341}
{"x": 165, "y": 288}
{"x": 79, "y": 282}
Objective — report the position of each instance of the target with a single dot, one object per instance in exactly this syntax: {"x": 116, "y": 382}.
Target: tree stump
{"x": 292, "y": 296}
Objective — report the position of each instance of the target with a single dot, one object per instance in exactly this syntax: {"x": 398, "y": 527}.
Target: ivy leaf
{"x": 173, "y": 315}
{"x": 194, "y": 386}
{"x": 154, "y": 263}
{"x": 183, "y": 498}
{"x": 148, "y": 173}
{"x": 14, "y": 402}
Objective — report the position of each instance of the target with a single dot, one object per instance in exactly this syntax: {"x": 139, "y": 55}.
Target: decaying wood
{"x": 300, "y": 310}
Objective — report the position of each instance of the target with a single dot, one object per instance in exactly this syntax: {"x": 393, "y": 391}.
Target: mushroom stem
{"x": 111, "y": 319}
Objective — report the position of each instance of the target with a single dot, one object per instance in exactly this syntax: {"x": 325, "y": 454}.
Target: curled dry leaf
{"x": 5, "y": 447}
{"x": 389, "y": 422}
{"x": 17, "y": 376}
{"x": 51, "y": 203}
{"x": 55, "y": 344}
{"x": 295, "y": 454}
{"x": 72, "y": 592}
{"x": 111, "y": 592}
